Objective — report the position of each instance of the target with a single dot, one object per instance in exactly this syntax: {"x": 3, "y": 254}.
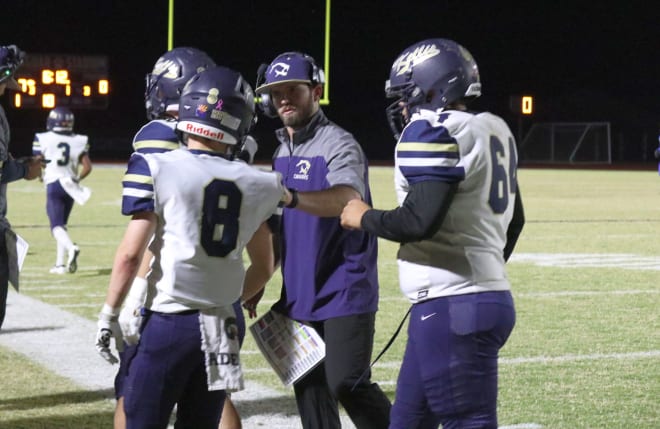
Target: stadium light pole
{"x": 326, "y": 46}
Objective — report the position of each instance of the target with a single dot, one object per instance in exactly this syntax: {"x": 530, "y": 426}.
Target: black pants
{"x": 4, "y": 275}
{"x": 348, "y": 345}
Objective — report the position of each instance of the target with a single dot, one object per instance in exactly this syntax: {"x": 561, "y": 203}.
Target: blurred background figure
{"x": 67, "y": 163}
{"x": 11, "y": 57}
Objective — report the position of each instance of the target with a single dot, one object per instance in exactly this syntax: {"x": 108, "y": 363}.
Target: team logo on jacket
{"x": 303, "y": 167}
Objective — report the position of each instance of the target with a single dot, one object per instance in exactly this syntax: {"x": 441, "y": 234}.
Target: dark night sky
{"x": 582, "y": 61}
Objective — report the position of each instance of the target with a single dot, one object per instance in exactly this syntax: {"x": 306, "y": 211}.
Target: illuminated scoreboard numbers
{"x": 526, "y": 104}
{"x": 76, "y": 81}
{"x": 522, "y": 104}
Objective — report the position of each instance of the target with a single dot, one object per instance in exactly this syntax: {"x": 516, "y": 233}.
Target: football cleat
{"x": 58, "y": 269}
{"x": 72, "y": 263}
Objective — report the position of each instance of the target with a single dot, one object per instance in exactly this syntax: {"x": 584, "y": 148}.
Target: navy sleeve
{"x": 12, "y": 170}
{"x": 515, "y": 226}
{"x": 418, "y": 218}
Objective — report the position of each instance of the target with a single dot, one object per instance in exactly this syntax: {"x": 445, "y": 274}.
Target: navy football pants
{"x": 128, "y": 354}
{"x": 167, "y": 369}
{"x": 58, "y": 204}
{"x": 449, "y": 370}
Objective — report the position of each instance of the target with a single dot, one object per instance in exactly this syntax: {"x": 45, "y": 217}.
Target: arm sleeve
{"x": 12, "y": 170}
{"x": 418, "y": 218}
{"x": 515, "y": 226}
{"x": 138, "y": 187}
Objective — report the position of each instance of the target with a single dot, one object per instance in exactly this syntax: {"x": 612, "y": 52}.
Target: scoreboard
{"x": 50, "y": 80}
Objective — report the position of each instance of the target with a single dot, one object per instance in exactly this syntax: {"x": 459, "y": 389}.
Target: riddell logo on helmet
{"x": 204, "y": 132}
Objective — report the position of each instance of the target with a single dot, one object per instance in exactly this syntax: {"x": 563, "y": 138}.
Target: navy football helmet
{"x": 429, "y": 75}
{"x": 11, "y": 59}
{"x": 217, "y": 104}
{"x": 60, "y": 120}
{"x": 171, "y": 72}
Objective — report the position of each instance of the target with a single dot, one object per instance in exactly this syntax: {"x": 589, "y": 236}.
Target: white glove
{"x": 108, "y": 328}
{"x": 130, "y": 317}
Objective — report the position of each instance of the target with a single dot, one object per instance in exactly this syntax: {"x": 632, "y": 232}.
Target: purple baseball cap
{"x": 290, "y": 67}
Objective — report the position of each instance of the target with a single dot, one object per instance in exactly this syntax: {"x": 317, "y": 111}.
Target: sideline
{"x": 64, "y": 343}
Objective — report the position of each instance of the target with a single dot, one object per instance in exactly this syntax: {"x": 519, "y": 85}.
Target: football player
{"x": 162, "y": 93}
{"x": 67, "y": 163}
{"x": 197, "y": 210}
{"x": 459, "y": 218}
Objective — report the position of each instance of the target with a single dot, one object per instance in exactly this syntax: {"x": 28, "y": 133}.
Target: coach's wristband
{"x": 294, "y": 199}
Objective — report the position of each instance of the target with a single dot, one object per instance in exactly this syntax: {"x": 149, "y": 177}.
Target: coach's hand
{"x": 251, "y": 304}
{"x": 108, "y": 328}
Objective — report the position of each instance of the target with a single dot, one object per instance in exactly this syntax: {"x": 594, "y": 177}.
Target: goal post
{"x": 567, "y": 142}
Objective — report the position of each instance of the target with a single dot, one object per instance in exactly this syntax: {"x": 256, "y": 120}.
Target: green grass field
{"x": 585, "y": 352}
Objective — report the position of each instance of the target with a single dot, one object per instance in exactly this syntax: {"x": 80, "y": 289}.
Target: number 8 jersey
{"x": 476, "y": 151}
{"x": 208, "y": 208}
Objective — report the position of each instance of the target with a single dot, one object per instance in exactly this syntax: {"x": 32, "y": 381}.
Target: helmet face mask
{"x": 217, "y": 104}
{"x": 172, "y": 70}
{"x": 60, "y": 120}
{"x": 430, "y": 74}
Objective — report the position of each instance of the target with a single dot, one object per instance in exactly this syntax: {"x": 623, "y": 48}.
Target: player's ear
{"x": 317, "y": 92}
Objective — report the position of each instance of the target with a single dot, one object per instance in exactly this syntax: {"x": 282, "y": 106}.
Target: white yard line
{"x": 594, "y": 260}
{"x": 556, "y": 359}
{"x": 64, "y": 343}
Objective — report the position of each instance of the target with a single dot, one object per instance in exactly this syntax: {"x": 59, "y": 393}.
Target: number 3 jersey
{"x": 208, "y": 208}
{"x": 476, "y": 151}
{"x": 62, "y": 150}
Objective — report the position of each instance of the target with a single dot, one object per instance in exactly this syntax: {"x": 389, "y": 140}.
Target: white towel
{"x": 221, "y": 348}
{"x": 80, "y": 194}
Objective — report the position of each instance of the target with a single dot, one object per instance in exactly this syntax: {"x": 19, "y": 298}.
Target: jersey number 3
{"x": 222, "y": 207}
{"x": 503, "y": 182}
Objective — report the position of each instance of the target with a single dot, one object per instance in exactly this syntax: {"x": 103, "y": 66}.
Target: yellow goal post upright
{"x": 326, "y": 46}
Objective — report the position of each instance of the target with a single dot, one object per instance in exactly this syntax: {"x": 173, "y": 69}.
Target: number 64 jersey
{"x": 478, "y": 152}
{"x": 208, "y": 208}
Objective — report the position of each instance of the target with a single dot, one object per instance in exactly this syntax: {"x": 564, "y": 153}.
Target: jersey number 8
{"x": 222, "y": 207}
